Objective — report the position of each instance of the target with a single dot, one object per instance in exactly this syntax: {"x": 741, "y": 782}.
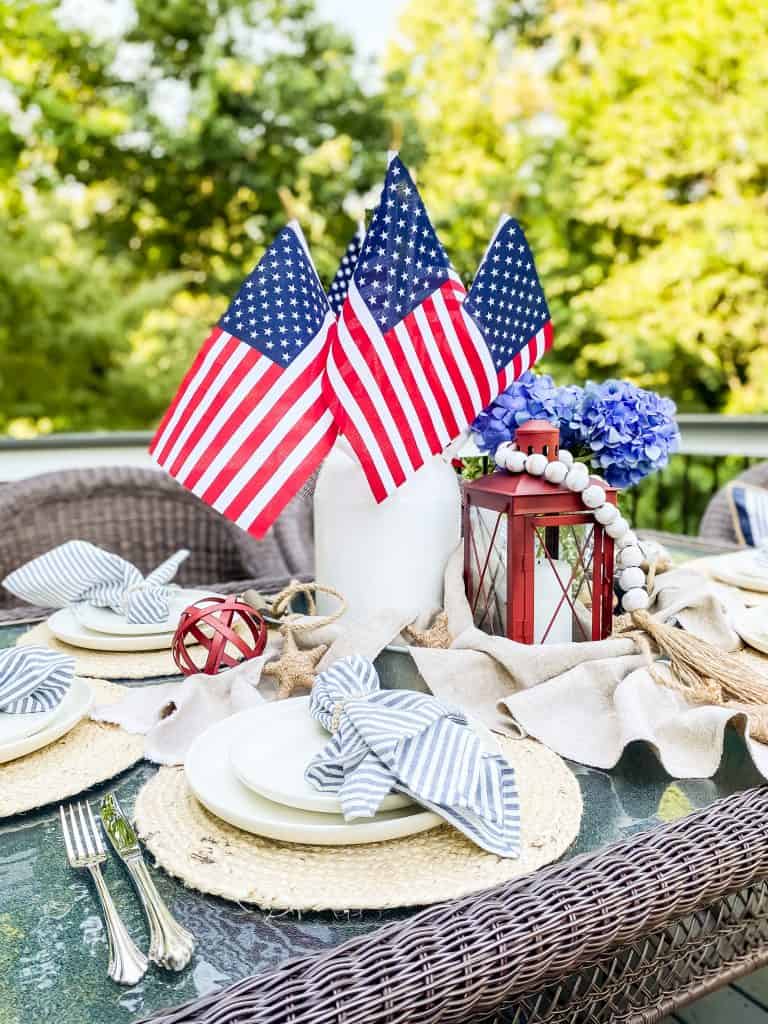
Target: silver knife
{"x": 170, "y": 945}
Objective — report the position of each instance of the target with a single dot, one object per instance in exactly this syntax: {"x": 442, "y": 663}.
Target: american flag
{"x": 249, "y": 423}
{"x": 340, "y": 283}
{"x": 406, "y": 370}
{"x": 507, "y": 303}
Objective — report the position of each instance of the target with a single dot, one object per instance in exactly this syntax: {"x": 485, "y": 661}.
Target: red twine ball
{"x": 218, "y": 615}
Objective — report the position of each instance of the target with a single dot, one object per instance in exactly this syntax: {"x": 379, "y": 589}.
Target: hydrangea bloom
{"x": 622, "y": 431}
{"x": 532, "y": 396}
{"x": 631, "y": 432}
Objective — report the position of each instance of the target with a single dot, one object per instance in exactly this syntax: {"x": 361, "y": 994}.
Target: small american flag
{"x": 249, "y": 423}
{"x": 507, "y": 303}
{"x": 406, "y": 371}
{"x": 337, "y": 293}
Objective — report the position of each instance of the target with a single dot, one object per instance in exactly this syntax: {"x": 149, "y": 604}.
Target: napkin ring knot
{"x": 338, "y": 708}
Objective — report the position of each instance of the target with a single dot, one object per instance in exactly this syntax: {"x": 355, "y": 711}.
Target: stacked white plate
{"x": 101, "y": 629}
{"x": 22, "y": 734}
{"x": 745, "y": 569}
{"x": 249, "y": 771}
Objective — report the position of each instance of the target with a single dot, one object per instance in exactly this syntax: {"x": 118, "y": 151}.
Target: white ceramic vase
{"x": 387, "y": 556}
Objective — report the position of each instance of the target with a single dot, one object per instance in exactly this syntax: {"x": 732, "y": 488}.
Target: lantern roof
{"x": 501, "y": 484}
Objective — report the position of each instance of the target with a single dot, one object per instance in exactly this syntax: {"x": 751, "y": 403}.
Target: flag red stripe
{"x": 225, "y": 386}
{"x": 388, "y": 393}
{"x": 446, "y": 351}
{"x": 360, "y": 393}
{"x": 184, "y": 385}
{"x": 306, "y": 467}
{"x": 264, "y": 427}
{"x": 346, "y": 426}
{"x": 468, "y": 346}
{"x": 414, "y": 391}
{"x": 262, "y": 474}
{"x": 430, "y": 372}
{"x": 184, "y": 393}
{"x": 445, "y": 347}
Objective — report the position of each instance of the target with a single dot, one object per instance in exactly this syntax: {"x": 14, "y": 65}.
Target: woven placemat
{"x": 211, "y": 856}
{"x": 105, "y": 664}
{"x": 90, "y": 753}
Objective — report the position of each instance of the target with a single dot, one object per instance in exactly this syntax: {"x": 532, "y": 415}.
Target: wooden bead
{"x": 606, "y": 514}
{"x": 635, "y": 599}
{"x": 629, "y": 557}
{"x": 577, "y": 478}
{"x": 555, "y": 472}
{"x": 514, "y": 462}
{"x": 617, "y": 528}
{"x": 535, "y": 464}
{"x": 593, "y": 496}
{"x": 501, "y": 453}
{"x": 631, "y": 578}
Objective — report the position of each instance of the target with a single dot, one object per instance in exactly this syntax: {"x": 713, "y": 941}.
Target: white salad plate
{"x": 214, "y": 783}
{"x": 274, "y": 766}
{"x": 22, "y": 734}
{"x": 66, "y": 627}
{"x": 741, "y": 570}
{"x": 752, "y": 626}
{"x": 104, "y": 620}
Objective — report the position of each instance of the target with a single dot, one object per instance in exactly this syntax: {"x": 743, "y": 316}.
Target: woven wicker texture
{"x": 90, "y": 753}
{"x": 105, "y": 664}
{"x": 209, "y": 855}
{"x": 717, "y": 521}
{"x": 144, "y": 515}
{"x": 646, "y": 980}
{"x": 462, "y": 961}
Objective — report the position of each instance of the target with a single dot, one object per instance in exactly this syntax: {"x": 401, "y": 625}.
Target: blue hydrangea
{"x": 630, "y": 432}
{"x": 622, "y": 431}
{"x": 531, "y": 397}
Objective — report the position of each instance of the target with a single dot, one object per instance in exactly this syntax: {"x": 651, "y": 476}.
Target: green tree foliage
{"x": 629, "y": 139}
{"x": 157, "y": 137}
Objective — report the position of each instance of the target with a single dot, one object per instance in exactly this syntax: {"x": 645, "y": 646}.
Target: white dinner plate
{"x": 104, "y": 620}
{"x": 66, "y": 627}
{"x": 214, "y": 783}
{"x": 273, "y": 767}
{"x": 752, "y": 626}
{"x": 741, "y": 570}
{"x": 51, "y": 724}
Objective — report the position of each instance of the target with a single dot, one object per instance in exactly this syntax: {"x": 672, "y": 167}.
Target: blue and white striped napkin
{"x": 33, "y": 679}
{"x": 81, "y": 573}
{"x": 386, "y": 740}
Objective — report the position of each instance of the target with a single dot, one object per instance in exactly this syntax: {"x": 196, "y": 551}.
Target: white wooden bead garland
{"x": 630, "y": 577}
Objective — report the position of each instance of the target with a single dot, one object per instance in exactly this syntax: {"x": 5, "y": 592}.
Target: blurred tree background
{"x": 144, "y": 147}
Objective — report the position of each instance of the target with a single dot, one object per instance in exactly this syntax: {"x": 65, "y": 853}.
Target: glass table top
{"x": 53, "y": 947}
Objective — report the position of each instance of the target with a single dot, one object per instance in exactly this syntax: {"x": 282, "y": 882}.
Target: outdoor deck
{"x": 745, "y": 1002}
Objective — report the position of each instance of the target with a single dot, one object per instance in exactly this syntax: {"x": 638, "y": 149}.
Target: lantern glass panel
{"x": 562, "y": 565}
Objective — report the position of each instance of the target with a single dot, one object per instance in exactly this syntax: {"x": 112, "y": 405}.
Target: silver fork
{"x": 85, "y": 849}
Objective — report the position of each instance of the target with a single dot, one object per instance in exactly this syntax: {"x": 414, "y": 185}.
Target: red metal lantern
{"x": 211, "y": 623}
{"x": 538, "y": 568}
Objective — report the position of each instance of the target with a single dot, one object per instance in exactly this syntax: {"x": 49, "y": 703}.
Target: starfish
{"x": 294, "y": 668}
{"x": 436, "y": 636}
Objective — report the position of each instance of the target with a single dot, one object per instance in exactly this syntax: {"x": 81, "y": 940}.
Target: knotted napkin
{"x": 386, "y": 740}
{"x": 81, "y": 573}
{"x": 33, "y": 679}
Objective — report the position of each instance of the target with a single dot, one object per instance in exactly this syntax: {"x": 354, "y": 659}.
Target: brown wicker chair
{"x": 717, "y": 521}
{"x": 144, "y": 515}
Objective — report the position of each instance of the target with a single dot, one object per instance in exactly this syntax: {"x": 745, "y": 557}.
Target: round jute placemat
{"x": 90, "y": 753}
{"x": 105, "y": 664}
{"x": 211, "y": 856}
